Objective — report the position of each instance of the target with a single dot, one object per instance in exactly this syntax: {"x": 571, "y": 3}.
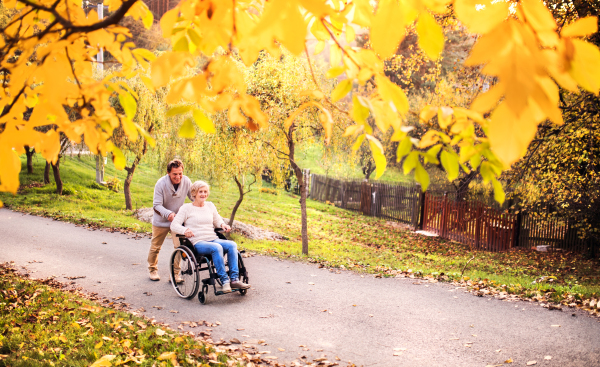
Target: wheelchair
{"x": 192, "y": 264}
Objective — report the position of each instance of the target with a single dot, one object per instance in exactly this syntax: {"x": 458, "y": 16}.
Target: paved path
{"x": 365, "y": 318}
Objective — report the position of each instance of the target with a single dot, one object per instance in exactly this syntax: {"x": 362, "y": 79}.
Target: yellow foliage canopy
{"x": 48, "y": 57}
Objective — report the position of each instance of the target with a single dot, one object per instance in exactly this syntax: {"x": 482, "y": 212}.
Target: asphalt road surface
{"x": 357, "y": 318}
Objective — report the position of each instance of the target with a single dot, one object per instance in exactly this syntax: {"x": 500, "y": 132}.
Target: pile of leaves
{"x": 44, "y": 323}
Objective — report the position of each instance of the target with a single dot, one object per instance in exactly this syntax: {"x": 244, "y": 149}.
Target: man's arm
{"x": 189, "y": 193}
{"x": 157, "y": 204}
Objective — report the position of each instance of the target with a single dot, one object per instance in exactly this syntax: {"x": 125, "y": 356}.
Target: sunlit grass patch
{"x": 45, "y": 326}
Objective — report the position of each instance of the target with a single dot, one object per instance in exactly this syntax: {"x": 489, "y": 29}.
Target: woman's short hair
{"x": 175, "y": 163}
{"x": 196, "y": 186}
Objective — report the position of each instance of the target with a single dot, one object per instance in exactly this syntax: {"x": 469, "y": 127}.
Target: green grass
{"x": 338, "y": 238}
{"x": 41, "y": 325}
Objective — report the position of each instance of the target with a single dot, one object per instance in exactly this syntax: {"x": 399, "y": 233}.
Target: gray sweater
{"x": 167, "y": 200}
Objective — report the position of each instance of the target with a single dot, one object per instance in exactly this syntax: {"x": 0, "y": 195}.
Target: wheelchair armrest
{"x": 180, "y": 236}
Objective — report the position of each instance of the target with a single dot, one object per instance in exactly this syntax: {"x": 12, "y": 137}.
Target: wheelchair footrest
{"x": 208, "y": 281}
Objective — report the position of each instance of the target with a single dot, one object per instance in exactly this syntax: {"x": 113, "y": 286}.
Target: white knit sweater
{"x": 202, "y": 221}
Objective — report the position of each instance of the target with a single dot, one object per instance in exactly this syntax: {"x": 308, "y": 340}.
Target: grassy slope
{"x": 338, "y": 238}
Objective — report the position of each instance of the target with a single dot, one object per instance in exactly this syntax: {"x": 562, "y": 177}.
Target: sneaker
{"x": 239, "y": 285}
{"x": 154, "y": 275}
{"x": 226, "y": 288}
{"x": 178, "y": 279}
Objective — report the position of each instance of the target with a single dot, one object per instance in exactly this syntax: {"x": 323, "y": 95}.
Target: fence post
{"x": 343, "y": 194}
{"x": 444, "y": 214}
{"x": 517, "y": 229}
{"x": 421, "y": 207}
{"x": 478, "y": 214}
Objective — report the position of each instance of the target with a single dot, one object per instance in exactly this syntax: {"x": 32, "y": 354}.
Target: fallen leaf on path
{"x": 240, "y": 329}
{"x": 555, "y": 325}
{"x": 160, "y": 332}
{"x": 235, "y": 341}
{"x": 311, "y": 283}
{"x": 281, "y": 349}
{"x": 396, "y": 354}
{"x": 370, "y": 315}
{"x": 509, "y": 360}
{"x": 302, "y": 346}
{"x": 174, "y": 311}
{"x": 531, "y": 363}
{"x": 468, "y": 345}
{"x": 498, "y": 350}
{"x": 548, "y": 358}
{"x": 158, "y": 307}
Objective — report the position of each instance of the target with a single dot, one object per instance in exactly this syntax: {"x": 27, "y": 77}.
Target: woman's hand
{"x": 188, "y": 233}
{"x": 226, "y": 228}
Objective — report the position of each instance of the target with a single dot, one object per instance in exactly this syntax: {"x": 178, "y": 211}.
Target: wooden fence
{"x": 470, "y": 222}
{"x": 395, "y": 202}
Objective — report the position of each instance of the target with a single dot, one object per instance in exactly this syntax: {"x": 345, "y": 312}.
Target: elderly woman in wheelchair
{"x": 199, "y": 221}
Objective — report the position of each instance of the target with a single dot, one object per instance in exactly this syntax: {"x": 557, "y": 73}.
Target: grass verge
{"x": 41, "y": 324}
{"x": 339, "y": 239}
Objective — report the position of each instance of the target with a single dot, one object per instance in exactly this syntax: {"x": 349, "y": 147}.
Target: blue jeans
{"x": 216, "y": 248}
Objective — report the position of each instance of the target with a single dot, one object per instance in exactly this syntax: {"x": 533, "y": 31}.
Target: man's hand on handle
{"x": 171, "y": 217}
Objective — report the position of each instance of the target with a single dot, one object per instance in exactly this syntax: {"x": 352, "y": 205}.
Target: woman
{"x": 201, "y": 218}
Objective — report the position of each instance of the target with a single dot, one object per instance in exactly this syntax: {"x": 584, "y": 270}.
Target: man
{"x": 169, "y": 195}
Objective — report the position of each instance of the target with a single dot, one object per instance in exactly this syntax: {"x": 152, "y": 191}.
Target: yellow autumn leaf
{"x": 99, "y": 344}
{"x": 344, "y": 87}
{"x": 385, "y": 38}
{"x": 510, "y": 135}
{"x": 10, "y": 166}
{"x": 104, "y": 361}
{"x": 584, "y": 67}
{"x": 427, "y": 114}
{"x": 481, "y": 16}
{"x": 538, "y": 15}
{"x": 319, "y": 47}
{"x": 431, "y": 137}
{"x": 581, "y": 28}
{"x": 431, "y": 36}
{"x": 203, "y": 122}
{"x": 118, "y": 158}
{"x": 392, "y": 93}
{"x": 378, "y": 155}
{"x": 363, "y": 12}
{"x": 445, "y": 116}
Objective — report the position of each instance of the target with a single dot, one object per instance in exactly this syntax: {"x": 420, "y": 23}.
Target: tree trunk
{"x": 131, "y": 171}
{"x": 57, "y": 179}
{"x": 368, "y": 169}
{"x": 127, "y": 184}
{"x": 29, "y": 152}
{"x": 238, "y": 202}
{"x": 47, "y": 174}
{"x": 302, "y": 183}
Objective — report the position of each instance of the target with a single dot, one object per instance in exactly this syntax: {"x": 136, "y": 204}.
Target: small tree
{"x": 149, "y": 115}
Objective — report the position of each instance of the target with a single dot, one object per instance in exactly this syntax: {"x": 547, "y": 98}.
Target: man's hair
{"x": 175, "y": 163}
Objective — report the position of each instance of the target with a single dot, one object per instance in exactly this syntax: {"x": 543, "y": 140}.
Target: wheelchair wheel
{"x": 203, "y": 294}
{"x": 189, "y": 272}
